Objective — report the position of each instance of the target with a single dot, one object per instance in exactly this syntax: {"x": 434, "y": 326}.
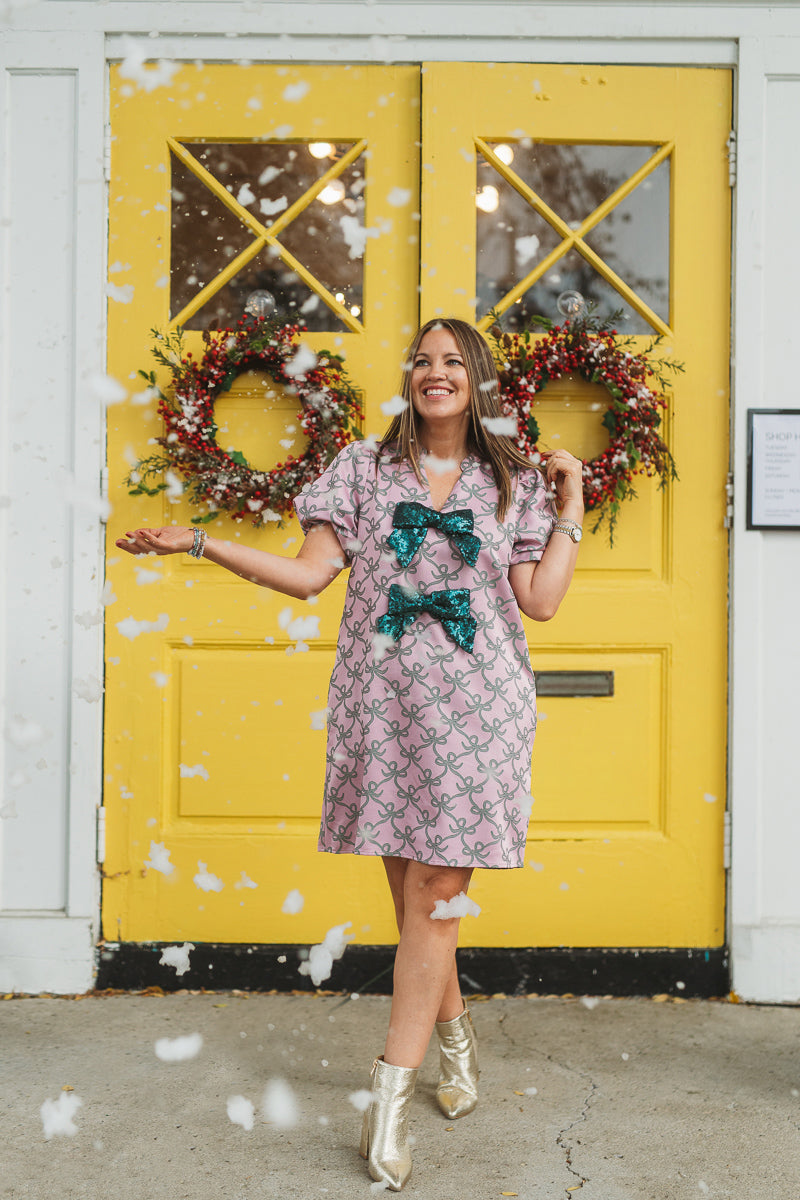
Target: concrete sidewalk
{"x": 634, "y": 1100}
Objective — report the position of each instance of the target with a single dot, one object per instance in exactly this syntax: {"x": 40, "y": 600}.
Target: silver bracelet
{"x": 198, "y": 544}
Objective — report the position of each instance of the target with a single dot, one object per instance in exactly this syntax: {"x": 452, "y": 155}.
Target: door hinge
{"x": 726, "y": 840}
{"x": 729, "y": 501}
{"x": 107, "y": 153}
{"x": 104, "y": 506}
{"x": 731, "y": 144}
{"x": 101, "y": 834}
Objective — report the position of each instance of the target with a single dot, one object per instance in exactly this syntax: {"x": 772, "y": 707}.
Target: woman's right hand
{"x": 172, "y": 539}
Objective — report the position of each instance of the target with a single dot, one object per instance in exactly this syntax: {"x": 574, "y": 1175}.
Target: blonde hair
{"x": 501, "y": 453}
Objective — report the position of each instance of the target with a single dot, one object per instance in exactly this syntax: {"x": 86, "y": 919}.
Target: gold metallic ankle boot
{"x": 384, "y": 1134}
{"x": 457, "y": 1093}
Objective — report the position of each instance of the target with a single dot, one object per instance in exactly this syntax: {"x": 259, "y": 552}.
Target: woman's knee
{"x": 425, "y": 884}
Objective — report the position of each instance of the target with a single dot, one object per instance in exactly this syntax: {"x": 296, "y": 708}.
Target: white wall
{"x": 765, "y": 637}
{"x": 52, "y": 453}
{"x": 53, "y": 271}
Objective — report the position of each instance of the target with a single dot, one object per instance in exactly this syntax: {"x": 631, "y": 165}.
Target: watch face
{"x": 577, "y": 534}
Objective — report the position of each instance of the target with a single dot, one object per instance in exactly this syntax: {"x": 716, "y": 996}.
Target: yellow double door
{"x": 366, "y": 199}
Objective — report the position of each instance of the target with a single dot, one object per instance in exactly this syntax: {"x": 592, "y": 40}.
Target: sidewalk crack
{"x": 562, "y": 1141}
{"x": 566, "y": 1144}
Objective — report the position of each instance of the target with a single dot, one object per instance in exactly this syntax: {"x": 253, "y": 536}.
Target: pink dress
{"x": 432, "y": 710}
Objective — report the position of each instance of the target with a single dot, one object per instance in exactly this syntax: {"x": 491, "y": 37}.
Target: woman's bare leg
{"x": 452, "y": 1005}
{"x": 426, "y": 985}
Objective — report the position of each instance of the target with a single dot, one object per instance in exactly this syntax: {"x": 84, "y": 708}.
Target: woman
{"x": 446, "y": 529}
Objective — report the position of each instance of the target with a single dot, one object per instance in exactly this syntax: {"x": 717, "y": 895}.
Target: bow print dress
{"x": 432, "y": 705}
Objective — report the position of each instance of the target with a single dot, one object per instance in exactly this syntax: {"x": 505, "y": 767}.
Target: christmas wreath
{"x": 635, "y": 383}
{"x": 328, "y": 415}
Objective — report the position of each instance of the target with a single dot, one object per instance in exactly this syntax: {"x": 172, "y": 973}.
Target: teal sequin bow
{"x": 412, "y": 521}
{"x": 450, "y": 606}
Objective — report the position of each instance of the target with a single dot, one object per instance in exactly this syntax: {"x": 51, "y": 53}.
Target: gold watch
{"x": 571, "y": 528}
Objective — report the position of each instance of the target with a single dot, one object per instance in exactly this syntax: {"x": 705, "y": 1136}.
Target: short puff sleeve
{"x": 535, "y": 517}
{"x": 335, "y": 497}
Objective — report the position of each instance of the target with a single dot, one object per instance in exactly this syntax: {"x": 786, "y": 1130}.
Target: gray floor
{"x": 635, "y": 1100}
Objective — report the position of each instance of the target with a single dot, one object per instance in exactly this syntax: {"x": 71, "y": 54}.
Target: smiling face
{"x": 439, "y": 380}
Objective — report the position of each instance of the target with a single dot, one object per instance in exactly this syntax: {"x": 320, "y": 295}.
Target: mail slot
{"x": 574, "y": 683}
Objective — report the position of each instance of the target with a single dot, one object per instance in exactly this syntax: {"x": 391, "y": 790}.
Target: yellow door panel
{"x": 534, "y": 177}
{"x": 213, "y": 750}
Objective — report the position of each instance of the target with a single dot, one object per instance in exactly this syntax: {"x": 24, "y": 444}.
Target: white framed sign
{"x": 773, "y": 468}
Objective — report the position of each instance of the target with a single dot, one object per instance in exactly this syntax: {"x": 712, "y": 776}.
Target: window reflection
{"x": 326, "y": 237}
{"x": 573, "y": 180}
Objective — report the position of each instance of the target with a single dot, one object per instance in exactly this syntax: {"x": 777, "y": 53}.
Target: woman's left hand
{"x": 564, "y": 471}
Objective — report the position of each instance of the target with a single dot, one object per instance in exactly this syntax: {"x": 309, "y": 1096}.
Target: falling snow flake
{"x": 241, "y": 1112}
{"x": 500, "y": 426}
{"x": 188, "y": 772}
{"x": 293, "y": 903}
{"x": 179, "y": 1049}
{"x": 303, "y": 361}
{"x": 159, "y": 859}
{"x": 321, "y": 958}
{"x": 279, "y": 1105}
{"x": 319, "y": 717}
{"x": 461, "y": 905}
{"x": 131, "y": 628}
{"x": 296, "y": 91}
{"x": 393, "y": 407}
{"x": 57, "y": 1115}
{"x": 399, "y": 196}
{"x": 148, "y": 78}
{"x": 177, "y": 957}
{"x": 205, "y": 880}
{"x": 123, "y": 294}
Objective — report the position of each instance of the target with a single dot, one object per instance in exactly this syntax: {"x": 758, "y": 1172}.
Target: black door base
{"x": 132, "y": 966}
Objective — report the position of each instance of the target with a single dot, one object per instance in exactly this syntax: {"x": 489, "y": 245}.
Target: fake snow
{"x": 89, "y": 689}
{"x": 175, "y": 486}
{"x": 241, "y": 1112}
{"x": 293, "y": 903}
{"x": 159, "y": 678}
{"x": 245, "y": 195}
{"x": 500, "y": 426}
{"x": 703, "y": 1186}
{"x": 322, "y": 957}
{"x": 589, "y": 1002}
{"x": 245, "y": 882}
{"x": 123, "y": 294}
{"x": 147, "y": 78}
{"x": 177, "y": 957}
{"x": 380, "y": 1185}
{"x": 531, "y": 1091}
{"x": 190, "y": 772}
{"x": 159, "y": 859}
{"x": 205, "y": 880}
{"x": 440, "y": 466}
{"x": 57, "y": 1115}
{"x": 179, "y": 1049}
{"x": 309, "y": 305}
{"x": 398, "y": 197}
{"x": 319, "y": 717}
{"x": 106, "y": 389}
{"x": 145, "y": 396}
{"x": 460, "y": 906}
{"x": 143, "y": 576}
{"x": 709, "y": 798}
{"x": 279, "y": 1105}
{"x": 393, "y": 407}
{"x": 87, "y": 619}
{"x": 298, "y": 628}
{"x": 361, "y": 1099}
{"x": 304, "y": 360}
{"x": 131, "y": 628}
{"x": 107, "y": 595}
{"x": 526, "y": 248}
{"x": 381, "y": 642}
{"x": 22, "y": 733}
{"x": 355, "y": 235}
{"x": 270, "y": 207}
{"x": 268, "y": 174}
{"x": 296, "y": 91}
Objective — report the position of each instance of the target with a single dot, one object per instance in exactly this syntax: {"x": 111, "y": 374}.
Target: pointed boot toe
{"x": 457, "y": 1093}
{"x": 384, "y": 1132}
